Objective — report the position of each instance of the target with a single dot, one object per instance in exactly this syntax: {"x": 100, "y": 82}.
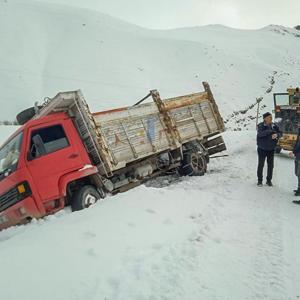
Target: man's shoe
{"x": 269, "y": 183}
{"x": 296, "y": 202}
{"x": 259, "y": 183}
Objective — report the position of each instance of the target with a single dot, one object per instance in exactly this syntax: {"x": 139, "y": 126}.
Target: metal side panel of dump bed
{"x": 194, "y": 116}
{"x": 136, "y": 132}
{"x": 133, "y": 133}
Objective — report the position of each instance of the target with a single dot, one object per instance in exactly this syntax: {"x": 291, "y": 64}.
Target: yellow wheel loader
{"x": 287, "y": 116}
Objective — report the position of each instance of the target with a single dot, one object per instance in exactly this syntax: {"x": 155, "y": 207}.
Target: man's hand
{"x": 291, "y": 154}
{"x": 274, "y": 136}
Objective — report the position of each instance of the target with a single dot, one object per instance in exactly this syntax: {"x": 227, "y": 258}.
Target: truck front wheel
{"x": 84, "y": 197}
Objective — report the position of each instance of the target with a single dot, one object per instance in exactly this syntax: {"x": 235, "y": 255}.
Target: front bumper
{"x": 20, "y": 213}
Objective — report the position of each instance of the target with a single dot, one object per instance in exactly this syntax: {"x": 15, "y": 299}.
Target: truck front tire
{"x": 84, "y": 197}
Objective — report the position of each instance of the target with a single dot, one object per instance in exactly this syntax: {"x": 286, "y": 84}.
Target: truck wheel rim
{"x": 195, "y": 162}
{"x": 89, "y": 200}
{"x": 201, "y": 164}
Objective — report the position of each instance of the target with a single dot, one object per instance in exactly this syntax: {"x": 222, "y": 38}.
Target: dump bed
{"x": 118, "y": 137}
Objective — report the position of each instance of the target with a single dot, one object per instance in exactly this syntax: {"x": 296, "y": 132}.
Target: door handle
{"x": 73, "y": 156}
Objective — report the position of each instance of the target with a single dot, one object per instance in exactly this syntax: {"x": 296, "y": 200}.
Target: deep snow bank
{"x": 211, "y": 237}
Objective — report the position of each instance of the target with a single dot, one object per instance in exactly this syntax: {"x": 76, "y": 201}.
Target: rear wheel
{"x": 193, "y": 164}
{"x": 84, "y": 197}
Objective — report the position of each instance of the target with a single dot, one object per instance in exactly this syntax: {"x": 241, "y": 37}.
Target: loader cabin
{"x": 287, "y": 117}
{"x": 287, "y": 104}
{"x": 291, "y": 98}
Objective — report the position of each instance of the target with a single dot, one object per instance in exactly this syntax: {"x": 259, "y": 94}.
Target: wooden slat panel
{"x": 140, "y": 136}
{"x": 194, "y": 121}
{"x": 136, "y": 132}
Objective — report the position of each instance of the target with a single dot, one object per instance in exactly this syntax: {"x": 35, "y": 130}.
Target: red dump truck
{"x": 65, "y": 155}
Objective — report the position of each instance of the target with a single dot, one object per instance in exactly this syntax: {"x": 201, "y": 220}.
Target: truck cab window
{"x": 47, "y": 140}
{"x": 9, "y": 155}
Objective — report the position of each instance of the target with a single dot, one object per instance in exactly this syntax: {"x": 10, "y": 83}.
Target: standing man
{"x": 268, "y": 134}
{"x": 296, "y": 154}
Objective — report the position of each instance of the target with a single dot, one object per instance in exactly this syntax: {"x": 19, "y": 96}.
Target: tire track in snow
{"x": 269, "y": 273}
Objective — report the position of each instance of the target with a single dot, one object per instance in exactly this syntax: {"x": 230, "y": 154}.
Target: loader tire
{"x": 25, "y": 115}
{"x": 84, "y": 197}
{"x": 193, "y": 164}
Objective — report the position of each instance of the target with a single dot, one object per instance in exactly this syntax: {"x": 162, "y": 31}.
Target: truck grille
{"x": 9, "y": 199}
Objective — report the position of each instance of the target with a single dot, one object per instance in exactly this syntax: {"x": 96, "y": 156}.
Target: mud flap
{"x": 215, "y": 145}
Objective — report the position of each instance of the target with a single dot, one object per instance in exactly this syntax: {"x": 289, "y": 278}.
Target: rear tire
{"x": 193, "y": 164}
{"x": 84, "y": 198}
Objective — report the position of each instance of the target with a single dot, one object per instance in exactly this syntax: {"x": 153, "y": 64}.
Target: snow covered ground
{"x": 216, "y": 237}
{"x": 211, "y": 237}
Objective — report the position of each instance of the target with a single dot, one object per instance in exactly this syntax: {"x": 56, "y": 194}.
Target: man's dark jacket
{"x": 296, "y": 150}
{"x": 264, "y": 136}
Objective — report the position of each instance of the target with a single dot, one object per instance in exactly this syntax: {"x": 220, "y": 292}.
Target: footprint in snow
{"x": 157, "y": 246}
{"x": 150, "y": 211}
{"x": 217, "y": 240}
{"x": 195, "y": 216}
{"x": 91, "y": 252}
{"x": 90, "y": 234}
{"x": 197, "y": 239}
{"x": 167, "y": 222}
{"x": 130, "y": 224}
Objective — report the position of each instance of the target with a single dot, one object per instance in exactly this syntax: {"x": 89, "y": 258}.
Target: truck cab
{"x": 287, "y": 114}
{"x": 36, "y": 165}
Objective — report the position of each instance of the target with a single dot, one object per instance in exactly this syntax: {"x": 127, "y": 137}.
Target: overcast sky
{"x": 182, "y": 13}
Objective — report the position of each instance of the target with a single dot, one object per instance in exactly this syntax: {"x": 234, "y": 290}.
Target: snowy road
{"x": 214, "y": 237}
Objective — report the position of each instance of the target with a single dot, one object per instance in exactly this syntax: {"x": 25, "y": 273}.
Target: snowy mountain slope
{"x": 6, "y": 131}
{"x": 211, "y": 237}
{"x": 49, "y": 48}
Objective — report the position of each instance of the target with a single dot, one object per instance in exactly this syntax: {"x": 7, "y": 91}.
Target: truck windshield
{"x": 9, "y": 155}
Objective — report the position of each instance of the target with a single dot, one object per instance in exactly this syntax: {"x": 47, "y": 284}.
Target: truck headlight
{"x": 23, "y": 190}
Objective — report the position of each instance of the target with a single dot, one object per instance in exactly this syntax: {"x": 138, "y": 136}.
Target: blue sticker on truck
{"x": 151, "y": 129}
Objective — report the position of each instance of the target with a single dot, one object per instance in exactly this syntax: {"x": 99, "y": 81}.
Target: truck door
{"x": 51, "y": 154}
